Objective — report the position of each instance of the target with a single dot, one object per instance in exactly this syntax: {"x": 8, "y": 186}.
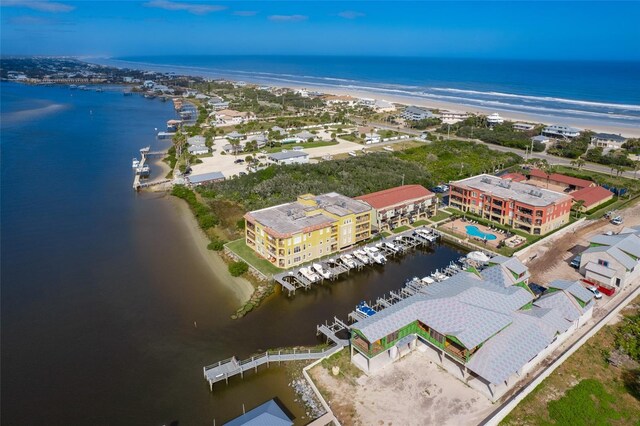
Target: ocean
{"x": 581, "y": 92}
{"x": 108, "y": 311}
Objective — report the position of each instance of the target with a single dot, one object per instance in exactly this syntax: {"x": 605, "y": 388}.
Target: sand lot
{"x": 225, "y": 163}
{"x": 412, "y": 391}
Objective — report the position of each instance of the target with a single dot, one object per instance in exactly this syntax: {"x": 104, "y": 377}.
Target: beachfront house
{"x": 414, "y": 113}
{"x": 482, "y": 326}
{"x": 198, "y": 149}
{"x": 313, "y": 226}
{"x": 343, "y": 100}
{"x": 289, "y": 157}
{"x": 536, "y": 211}
{"x": 613, "y": 259}
{"x": 400, "y": 206}
{"x": 494, "y": 119}
{"x": 523, "y": 127}
{"x": 561, "y": 132}
{"x": 452, "y": 117}
{"x": 608, "y": 140}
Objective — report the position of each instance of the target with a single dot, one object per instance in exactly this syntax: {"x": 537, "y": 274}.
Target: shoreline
{"x": 506, "y": 114}
{"x": 596, "y": 125}
{"x": 240, "y": 287}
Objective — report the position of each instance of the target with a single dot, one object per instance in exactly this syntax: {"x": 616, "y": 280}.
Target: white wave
{"x": 539, "y": 98}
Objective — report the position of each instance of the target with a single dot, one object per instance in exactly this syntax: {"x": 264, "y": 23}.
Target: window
{"x": 603, "y": 262}
{"x": 393, "y": 336}
{"x": 296, "y": 249}
{"x": 296, "y": 259}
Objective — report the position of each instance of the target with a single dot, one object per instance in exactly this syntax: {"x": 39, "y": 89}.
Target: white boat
{"x": 375, "y": 254}
{"x": 318, "y": 269}
{"x": 306, "y": 272}
{"x": 347, "y": 259}
{"x": 428, "y": 280}
{"x": 392, "y": 247}
{"x": 438, "y": 276}
{"x": 135, "y": 163}
{"x": 353, "y": 154}
{"x": 478, "y": 256}
{"x": 361, "y": 256}
{"x": 388, "y": 148}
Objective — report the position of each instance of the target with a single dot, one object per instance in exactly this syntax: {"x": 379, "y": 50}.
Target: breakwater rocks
{"x": 308, "y": 398}
{"x": 260, "y": 293}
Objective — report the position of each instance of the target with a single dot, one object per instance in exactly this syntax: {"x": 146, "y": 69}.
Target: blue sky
{"x": 537, "y": 30}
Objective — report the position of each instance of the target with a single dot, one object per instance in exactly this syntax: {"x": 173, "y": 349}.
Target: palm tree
{"x": 577, "y": 206}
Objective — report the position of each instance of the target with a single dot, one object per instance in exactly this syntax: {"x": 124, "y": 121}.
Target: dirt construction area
{"x": 412, "y": 391}
{"x": 550, "y": 259}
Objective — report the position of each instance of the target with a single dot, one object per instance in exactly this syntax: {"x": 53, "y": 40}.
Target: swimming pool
{"x": 475, "y": 232}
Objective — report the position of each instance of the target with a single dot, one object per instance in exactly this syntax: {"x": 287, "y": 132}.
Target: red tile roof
{"x": 399, "y": 194}
{"x": 567, "y": 180}
{"x": 515, "y": 177}
{"x": 592, "y": 195}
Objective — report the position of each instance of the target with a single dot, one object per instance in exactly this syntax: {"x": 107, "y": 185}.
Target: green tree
{"x": 238, "y": 268}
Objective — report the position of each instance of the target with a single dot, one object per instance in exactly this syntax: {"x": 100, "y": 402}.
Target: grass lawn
{"x": 439, "y": 216}
{"x": 585, "y": 389}
{"x": 385, "y": 234}
{"x": 421, "y": 223}
{"x": 240, "y": 248}
{"x": 401, "y": 229}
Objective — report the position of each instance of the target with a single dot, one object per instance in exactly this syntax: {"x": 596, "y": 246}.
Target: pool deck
{"x": 459, "y": 227}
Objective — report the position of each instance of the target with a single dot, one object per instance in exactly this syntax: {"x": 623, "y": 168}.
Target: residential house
{"x": 400, "y": 206}
{"x": 608, "y": 140}
{"x": 541, "y": 139}
{"x": 536, "y": 211}
{"x": 344, "y": 100}
{"x": 289, "y": 157}
{"x": 229, "y": 117}
{"x": 452, "y": 117}
{"x": 305, "y": 136}
{"x": 200, "y": 179}
{"x": 313, "y": 226}
{"x": 523, "y": 127}
{"x": 592, "y": 197}
{"x": 198, "y": 149}
{"x": 269, "y": 414}
{"x": 613, "y": 259}
{"x": 569, "y": 183}
{"x": 414, "y": 113}
{"x": 494, "y": 119}
{"x": 561, "y": 132}
{"x": 484, "y": 327}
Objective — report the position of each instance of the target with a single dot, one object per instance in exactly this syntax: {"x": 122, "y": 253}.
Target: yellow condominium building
{"x": 311, "y": 227}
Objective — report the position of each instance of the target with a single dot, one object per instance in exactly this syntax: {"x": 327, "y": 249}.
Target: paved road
{"x": 551, "y": 159}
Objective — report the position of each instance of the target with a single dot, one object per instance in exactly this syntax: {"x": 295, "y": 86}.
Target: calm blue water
{"x": 475, "y": 232}
{"x": 577, "y": 91}
{"x": 101, "y": 286}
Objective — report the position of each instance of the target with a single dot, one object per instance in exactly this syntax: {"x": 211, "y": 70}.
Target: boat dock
{"x": 144, "y": 154}
{"x": 224, "y": 370}
{"x": 411, "y": 287}
{"x": 305, "y": 276}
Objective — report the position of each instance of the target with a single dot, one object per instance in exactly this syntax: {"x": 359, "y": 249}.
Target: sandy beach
{"x": 240, "y": 287}
{"x": 509, "y": 115}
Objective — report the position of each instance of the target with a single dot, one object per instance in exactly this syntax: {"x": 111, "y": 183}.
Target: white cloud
{"x": 288, "y": 18}
{"x": 350, "y": 14}
{"x": 40, "y": 5}
{"x": 196, "y": 9}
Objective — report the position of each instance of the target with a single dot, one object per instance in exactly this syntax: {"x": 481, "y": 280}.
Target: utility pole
{"x": 403, "y": 179}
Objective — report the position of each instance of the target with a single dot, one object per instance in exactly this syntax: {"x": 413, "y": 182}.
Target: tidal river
{"x": 108, "y": 311}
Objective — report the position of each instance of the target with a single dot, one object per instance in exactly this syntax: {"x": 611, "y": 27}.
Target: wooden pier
{"x": 144, "y": 154}
{"x": 224, "y": 370}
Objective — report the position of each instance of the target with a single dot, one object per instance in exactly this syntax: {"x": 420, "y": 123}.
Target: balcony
{"x": 369, "y": 349}
{"x": 251, "y": 235}
{"x": 334, "y": 229}
{"x": 525, "y": 211}
{"x": 362, "y": 219}
{"x": 523, "y": 220}
{"x": 251, "y": 226}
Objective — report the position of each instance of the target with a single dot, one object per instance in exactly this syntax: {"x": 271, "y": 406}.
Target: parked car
{"x": 242, "y": 173}
{"x": 575, "y": 262}
{"x": 595, "y": 291}
{"x": 239, "y": 161}
{"x": 617, "y": 220}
